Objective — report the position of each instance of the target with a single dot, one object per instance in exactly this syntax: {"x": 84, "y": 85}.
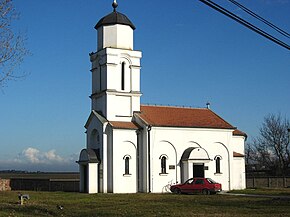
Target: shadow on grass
{"x": 15, "y": 209}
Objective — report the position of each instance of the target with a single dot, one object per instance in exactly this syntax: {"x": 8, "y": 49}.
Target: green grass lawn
{"x": 77, "y": 204}
{"x": 265, "y": 191}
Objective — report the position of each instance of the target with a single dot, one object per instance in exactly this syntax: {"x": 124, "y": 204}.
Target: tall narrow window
{"x": 127, "y": 165}
{"x": 218, "y": 164}
{"x": 163, "y": 164}
{"x": 123, "y": 76}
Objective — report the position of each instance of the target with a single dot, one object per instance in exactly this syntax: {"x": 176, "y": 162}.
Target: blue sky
{"x": 191, "y": 55}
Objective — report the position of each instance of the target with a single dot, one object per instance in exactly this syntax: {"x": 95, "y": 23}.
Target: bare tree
{"x": 12, "y": 45}
{"x": 272, "y": 148}
{"x": 250, "y": 155}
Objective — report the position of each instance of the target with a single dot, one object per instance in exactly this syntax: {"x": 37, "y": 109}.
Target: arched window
{"x": 163, "y": 159}
{"x": 127, "y": 164}
{"x": 123, "y": 76}
{"x": 218, "y": 164}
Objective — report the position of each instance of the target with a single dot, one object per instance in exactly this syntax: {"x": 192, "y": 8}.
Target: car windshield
{"x": 189, "y": 181}
{"x": 211, "y": 181}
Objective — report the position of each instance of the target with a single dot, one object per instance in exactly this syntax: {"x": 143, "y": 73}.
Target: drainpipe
{"x": 229, "y": 170}
{"x": 149, "y": 159}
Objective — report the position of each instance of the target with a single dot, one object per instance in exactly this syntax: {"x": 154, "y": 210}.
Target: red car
{"x": 197, "y": 185}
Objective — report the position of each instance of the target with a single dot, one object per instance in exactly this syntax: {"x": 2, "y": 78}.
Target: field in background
{"x": 18, "y": 181}
{"x": 40, "y": 175}
{"x": 76, "y": 204}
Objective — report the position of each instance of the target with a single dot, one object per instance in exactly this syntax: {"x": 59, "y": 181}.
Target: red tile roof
{"x": 236, "y": 154}
{"x": 239, "y": 133}
{"x": 123, "y": 125}
{"x": 169, "y": 116}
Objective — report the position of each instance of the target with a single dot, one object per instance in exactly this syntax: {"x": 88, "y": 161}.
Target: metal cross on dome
{"x": 115, "y": 5}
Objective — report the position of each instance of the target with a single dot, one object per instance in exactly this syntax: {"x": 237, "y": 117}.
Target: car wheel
{"x": 177, "y": 191}
{"x": 205, "y": 192}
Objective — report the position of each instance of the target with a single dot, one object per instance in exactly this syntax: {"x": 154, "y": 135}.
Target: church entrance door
{"x": 198, "y": 170}
{"x": 85, "y": 181}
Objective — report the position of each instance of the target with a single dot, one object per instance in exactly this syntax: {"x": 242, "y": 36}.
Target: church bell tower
{"x": 115, "y": 69}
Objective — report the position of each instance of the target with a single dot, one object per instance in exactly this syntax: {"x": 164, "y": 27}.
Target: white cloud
{"x": 33, "y": 159}
{"x": 35, "y": 156}
{"x": 52, "y": 156}
{"x": 31, "y": 154}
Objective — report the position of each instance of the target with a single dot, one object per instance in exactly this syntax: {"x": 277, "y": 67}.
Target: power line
{"x": 245, "y": 23}
{"x": 253, "y": 14}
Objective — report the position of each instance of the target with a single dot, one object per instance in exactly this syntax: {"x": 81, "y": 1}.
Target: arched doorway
{"x": 194, "y": 161}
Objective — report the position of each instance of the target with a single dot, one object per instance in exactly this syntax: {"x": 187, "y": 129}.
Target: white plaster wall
{"x": 125, "y": 37}
{"x": 135, "y": 77}
{"x": 120, "y": 108}
{"x": 114, "y": 76}
{"x": 93, "y": 178}
{"x": 238, "y": 169}
{"x": 214, "y": 141}
{"x": 115, "y": 36}
{"x": 135, "y": 103}
{"x": 124, "y": 144}
{"x": 113, "y": 56}
{"x": 239, "y": 178}
{"x": 239, "y": 144}
{"x": 220, "y": 149}
{"x": 117, "y": 106}
{"x": 159, "y": 180}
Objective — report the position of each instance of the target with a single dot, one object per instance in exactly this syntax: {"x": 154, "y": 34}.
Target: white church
{"x": 142, "y": 148}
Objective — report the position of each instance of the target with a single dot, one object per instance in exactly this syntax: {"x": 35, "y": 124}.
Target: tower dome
{"x": 115, "y": 18}
{"x": 115, "y": 30}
